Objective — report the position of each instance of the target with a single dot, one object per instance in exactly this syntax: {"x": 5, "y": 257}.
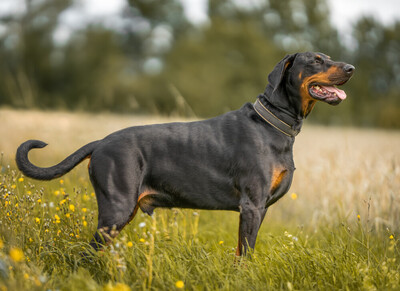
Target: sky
{"x": 346, "y": 12}
{"x": 343, "y": 12}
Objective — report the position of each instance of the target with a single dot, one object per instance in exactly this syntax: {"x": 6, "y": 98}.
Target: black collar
{"x": 270, "y": 118}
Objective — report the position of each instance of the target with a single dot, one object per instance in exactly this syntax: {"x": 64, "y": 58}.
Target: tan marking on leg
{"x": 239, "y": 246}
{"x": 145, "y": 193}
{"x": 146, "y": 199}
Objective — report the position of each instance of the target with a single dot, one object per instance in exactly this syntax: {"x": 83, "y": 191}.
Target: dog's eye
{"x": 319, "y": 60}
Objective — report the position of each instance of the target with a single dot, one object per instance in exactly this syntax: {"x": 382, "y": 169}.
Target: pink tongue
{"x": 340, "y": 93}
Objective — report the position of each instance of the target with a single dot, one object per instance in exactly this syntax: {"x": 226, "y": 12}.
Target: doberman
{"x": 240, "y": 161}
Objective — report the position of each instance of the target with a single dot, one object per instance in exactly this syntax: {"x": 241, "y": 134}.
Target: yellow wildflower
{"x": 28, "y": 192}
{"x": 72, "y": 207}
{"x": 67, "y": 215}
{"x": 37, "y": 282}
{"x": 13, "y": 186}
{"x": 179, "y": 284}
{"x": 63, "y": 201}
{"x": 358, "y": 216}
{"x": 16, "y": 254}
{"x": 129, "y": 244}
{"x": 56, "y": 217}
{"x": 21, "y": 179}
{"x": 221, "y": 242}
{"x": 37, "y": 219}
{"x": 84, "y": 209}
{"x": 84, "y": 223}
{"x": 16, "y": 205}
{"x": 62, "y": 182}
{"x": 6, "y": 203}
{"x": 26, "y": 276}
{"x": 56, "y": 193}
{"x": 39, "y": 201}
{"x": 293, "y": 196}
{"x": 142, "y": 240}
{"x": 1, "y": 244}
{"x": 85, "y": 197}
{"x": 116, "y": 287}
{"x": 391, "y": 237}
{"x": 92, "y": 194}
{"x": 30, "y": 240}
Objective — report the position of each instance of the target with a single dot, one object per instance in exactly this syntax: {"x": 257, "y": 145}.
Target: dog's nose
{"x": 349, "y": 69}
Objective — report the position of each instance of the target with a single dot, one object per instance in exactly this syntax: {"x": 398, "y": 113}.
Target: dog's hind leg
{"x": 116, "y": 208}
{"x": 106, "y": 232}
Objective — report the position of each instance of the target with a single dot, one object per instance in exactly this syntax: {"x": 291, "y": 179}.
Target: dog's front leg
{"x": 251, "y": 217}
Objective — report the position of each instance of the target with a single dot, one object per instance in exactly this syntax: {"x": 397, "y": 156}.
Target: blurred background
{"x": 193, "y": 58}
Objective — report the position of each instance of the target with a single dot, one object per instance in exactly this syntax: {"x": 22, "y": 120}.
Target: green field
{"x": 338, "y": 228}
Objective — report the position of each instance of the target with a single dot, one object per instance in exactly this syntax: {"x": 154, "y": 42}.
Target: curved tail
{"x": 56, "y": 171}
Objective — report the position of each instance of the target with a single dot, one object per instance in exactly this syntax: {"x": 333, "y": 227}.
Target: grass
{"x": 337, "y": 228}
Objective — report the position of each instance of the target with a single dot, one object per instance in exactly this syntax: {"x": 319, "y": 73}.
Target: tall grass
{"x": 337, "y": 228}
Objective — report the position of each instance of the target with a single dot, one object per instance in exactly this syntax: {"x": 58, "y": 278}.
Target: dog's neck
{"x": 283, "y": 115}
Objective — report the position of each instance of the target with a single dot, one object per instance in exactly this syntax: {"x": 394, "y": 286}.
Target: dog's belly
{"x": 150, "y": 199}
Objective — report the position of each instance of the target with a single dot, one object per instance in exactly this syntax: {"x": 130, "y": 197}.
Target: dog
{"x": 240, "y": 161}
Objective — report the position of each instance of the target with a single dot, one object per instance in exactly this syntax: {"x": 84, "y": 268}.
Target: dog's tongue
{"x": 340, "y": 93}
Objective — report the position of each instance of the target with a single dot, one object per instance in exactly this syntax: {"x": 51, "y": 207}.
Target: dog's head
{"x": 301, "y": 79}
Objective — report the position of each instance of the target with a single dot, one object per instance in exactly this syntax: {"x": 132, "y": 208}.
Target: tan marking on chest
{"x": 278, "y": 173}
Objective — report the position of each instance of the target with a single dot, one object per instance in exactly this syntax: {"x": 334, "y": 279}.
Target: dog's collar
{"x": 270, "y": 118}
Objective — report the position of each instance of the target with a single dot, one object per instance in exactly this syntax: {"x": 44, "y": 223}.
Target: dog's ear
{"x": 276, "y": 76}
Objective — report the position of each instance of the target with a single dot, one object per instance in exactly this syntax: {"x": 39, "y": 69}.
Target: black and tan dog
{"x": 240, "y": 161}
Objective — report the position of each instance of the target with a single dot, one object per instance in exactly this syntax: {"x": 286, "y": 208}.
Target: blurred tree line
{"x": 158, "y": 62}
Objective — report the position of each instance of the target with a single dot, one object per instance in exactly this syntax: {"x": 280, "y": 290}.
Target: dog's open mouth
{"x": 327, "y": 93}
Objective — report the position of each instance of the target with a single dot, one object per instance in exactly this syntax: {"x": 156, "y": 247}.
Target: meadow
{"x": 337, "y": 228}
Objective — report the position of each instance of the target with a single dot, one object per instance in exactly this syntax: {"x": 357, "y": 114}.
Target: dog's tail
{"x": 56, "y": 171}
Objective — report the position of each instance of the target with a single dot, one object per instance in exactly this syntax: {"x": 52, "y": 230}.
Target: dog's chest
{"x": 279, "y": 175}
{"x": 280, "y": 179}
